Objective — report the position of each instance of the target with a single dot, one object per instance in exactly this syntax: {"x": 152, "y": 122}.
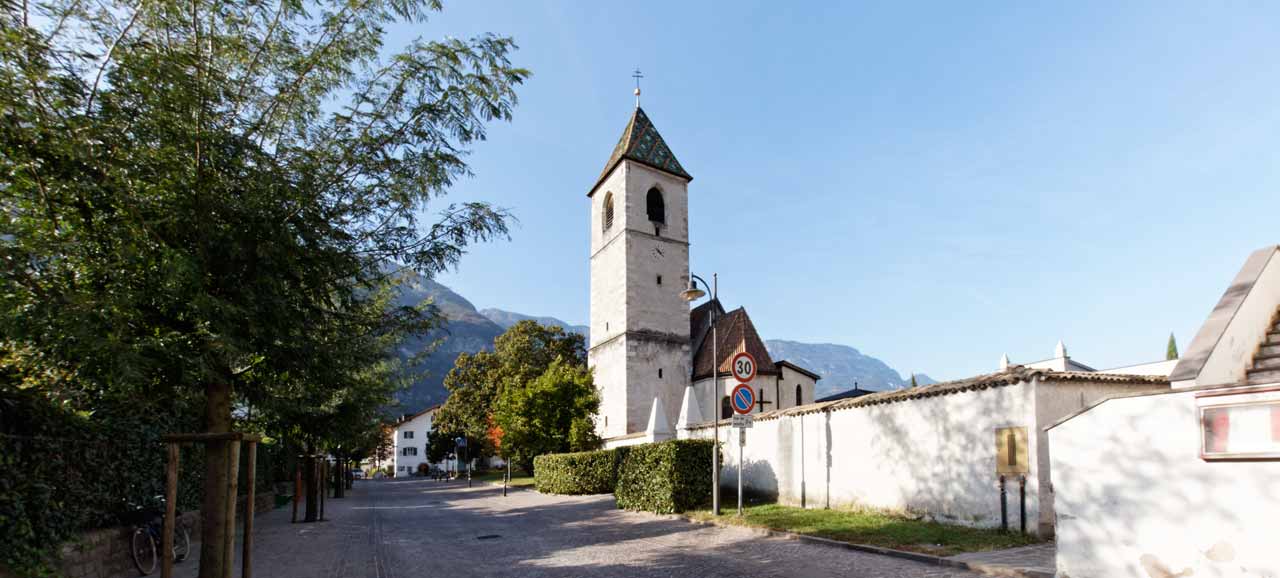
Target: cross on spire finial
{"x": 637, "y": 76}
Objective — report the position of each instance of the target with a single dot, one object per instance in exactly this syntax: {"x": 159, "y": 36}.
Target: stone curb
{"x": 988, "y": 569}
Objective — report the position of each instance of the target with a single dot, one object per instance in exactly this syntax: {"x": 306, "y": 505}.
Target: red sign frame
{"x": 733, "y": 366}
{"x": 751, "y": 397}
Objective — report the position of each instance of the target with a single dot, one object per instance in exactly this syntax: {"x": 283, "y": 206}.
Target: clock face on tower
{"x": 656, "y": 253}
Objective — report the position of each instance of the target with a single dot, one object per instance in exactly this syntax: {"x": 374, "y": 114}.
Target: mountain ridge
{"x": 470, "y": 330}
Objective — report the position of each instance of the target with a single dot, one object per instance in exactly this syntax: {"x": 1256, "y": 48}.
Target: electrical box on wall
{"x": 1011, "y": 451}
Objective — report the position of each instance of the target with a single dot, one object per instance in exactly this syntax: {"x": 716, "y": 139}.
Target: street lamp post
{"x": 693, "y": 293}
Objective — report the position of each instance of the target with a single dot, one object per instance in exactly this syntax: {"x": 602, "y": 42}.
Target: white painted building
{"x": 647, "y": 347}
{"x": 1186, "y": 481}
{"x": 411, "y": 441}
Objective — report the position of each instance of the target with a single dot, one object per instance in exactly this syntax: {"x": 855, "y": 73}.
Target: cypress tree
{"x": 1171, "y": 352}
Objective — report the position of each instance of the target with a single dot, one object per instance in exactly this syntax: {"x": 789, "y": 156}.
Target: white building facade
{"x": 1186, "y": 481}
{"x": 411, "y": 441}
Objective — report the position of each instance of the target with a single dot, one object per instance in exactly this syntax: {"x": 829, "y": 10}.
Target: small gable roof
{"x": 734, "y": 332}
{"x": 640, "y": 142}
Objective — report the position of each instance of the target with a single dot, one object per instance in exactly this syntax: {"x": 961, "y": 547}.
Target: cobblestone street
{"x": 415, "y": 528}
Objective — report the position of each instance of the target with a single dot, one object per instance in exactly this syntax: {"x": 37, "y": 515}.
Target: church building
{"x": 653, "y": 356}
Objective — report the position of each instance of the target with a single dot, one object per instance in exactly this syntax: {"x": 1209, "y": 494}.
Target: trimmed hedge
{"x": 666, "y": 477}
{"x": 593, "y": 472}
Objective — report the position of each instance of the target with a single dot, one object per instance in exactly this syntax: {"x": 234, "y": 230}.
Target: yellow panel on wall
{"x": 1011, "y": 450}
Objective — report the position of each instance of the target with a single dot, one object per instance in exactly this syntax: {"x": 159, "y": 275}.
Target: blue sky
{"x": 933, "y": 184}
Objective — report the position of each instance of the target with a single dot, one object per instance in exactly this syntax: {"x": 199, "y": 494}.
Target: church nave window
{"x": 799, "y": 395}
{"x": 726, "y": 408}
{"x": 608, "y": 211}
{"x": 657, "y": 209}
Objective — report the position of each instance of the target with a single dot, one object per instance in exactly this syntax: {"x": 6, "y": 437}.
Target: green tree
{"x": 521, "y": 354}
{"x": 1171, "y": 350}
{"x": 205, "y": 194}
{"x": 477, "y": 382}
{"x": 439, "y": 445}
{"x": 913, "y": 380}
{"x": 551, "y": 413}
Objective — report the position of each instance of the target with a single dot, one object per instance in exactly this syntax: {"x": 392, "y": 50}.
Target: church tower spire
{"x": 639, "y": 264}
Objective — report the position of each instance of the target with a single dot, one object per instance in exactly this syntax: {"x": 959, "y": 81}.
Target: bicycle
{"x": 146, "y": 540}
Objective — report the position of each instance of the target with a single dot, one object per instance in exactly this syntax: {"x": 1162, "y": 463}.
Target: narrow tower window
{"x": 657, "y": 209}
{"x": 608, "y": 211}
{"x": 659, "y": 279}
{"x": 726, "y": 408}
{"x": 659, "y": 373}
{"x": 799, "y": 395}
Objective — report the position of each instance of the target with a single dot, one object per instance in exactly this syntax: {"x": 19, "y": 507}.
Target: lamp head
{"x": 693, "y": 293}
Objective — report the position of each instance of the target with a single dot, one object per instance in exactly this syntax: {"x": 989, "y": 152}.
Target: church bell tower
{"x": 639, "y": 265}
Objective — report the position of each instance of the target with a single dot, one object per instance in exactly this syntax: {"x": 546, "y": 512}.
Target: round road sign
{"x": 744, "y": 367}
{"x": 743, "y": 398}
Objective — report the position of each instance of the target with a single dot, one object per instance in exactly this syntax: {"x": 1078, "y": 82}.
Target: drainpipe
{"x": 1004, "y": 506}
{"x": 1022, "y": 506}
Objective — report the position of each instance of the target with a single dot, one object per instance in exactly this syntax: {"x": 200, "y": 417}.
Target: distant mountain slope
{"x": 508, "y": 318}
{"x": 467, "y": 331}
{"x": 841, "y": 366}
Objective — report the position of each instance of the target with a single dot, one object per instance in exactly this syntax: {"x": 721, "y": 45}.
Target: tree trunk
{"x": 340, "y": 478}
{"x": 310, "y": 475}
{"x": 213, "y": 508}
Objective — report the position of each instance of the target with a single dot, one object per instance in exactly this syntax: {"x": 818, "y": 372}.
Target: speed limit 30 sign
{"x": 744, "y": 367}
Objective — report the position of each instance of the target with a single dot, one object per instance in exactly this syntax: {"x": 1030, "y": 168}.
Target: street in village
{"x": 419, "y": 527}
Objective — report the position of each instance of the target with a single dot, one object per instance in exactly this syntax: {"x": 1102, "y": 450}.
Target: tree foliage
{"x": 552, "y": 413}
{"x": 1171, "y": 350}
{"x": 206, "y": 195}
{"x": 481, "y": 384}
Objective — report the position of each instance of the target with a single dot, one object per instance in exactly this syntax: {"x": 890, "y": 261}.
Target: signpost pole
{"x": 742, "y": 441}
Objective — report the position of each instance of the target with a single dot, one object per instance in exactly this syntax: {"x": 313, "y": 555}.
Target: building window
{"x": 408, "y": 435}
{"x": 726, "y": 408}
{"x": 659, "y": 279}
{"x": 656, "y": 208}
{"x": 659, "y": 373}
{"x": 608, "y": 211}
{"x": 799, "y": 395}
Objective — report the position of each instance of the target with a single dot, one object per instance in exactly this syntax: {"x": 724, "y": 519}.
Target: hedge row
{"x": 578, "y": 473}
{"x": 665, "y": 477}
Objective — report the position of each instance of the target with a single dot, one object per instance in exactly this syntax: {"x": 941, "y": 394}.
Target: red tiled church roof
{"x": 734, "y": 331}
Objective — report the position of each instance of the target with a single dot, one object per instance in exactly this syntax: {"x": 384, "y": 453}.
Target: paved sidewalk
{"x": 1038, "y": 559}
{"x": 409, "y": 528}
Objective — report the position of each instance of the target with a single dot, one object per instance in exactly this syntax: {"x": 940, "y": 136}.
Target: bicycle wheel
{"x": 181, "y": 543}
{"x": 143, "y": 551}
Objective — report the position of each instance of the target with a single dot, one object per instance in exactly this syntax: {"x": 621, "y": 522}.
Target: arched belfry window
{"x": 799, "y": 395}
{"x": 608, "y": 211}
{"x": 656, "y": 208}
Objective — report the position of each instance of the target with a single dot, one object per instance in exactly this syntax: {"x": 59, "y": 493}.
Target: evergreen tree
{"x": 913, "y": 380}
{"x": 1171, "y": 351}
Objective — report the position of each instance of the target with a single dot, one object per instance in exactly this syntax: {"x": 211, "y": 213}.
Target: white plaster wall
{"x": 1134, "y": 498}
{"x": 608, "y": 260}
{"x": 788, "y": 380}
{"x": 1054, "y": 401}
{"x": 644, "y": 358}
{"x": 420, "y": 426}
{"x": 610, "y": 376}
{"x": 933, "y": 455}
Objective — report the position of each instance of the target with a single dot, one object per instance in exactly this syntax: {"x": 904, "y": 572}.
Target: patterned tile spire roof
{"x": 640, "y": 142}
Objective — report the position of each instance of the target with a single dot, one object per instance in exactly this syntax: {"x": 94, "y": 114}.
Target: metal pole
{"x": 1022, "y": 507}
{"x": 742, "y": 438}
{"x": 506, "y": 479}
{"x": 715, "y": 398}
{"x": 468, "y": 454}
